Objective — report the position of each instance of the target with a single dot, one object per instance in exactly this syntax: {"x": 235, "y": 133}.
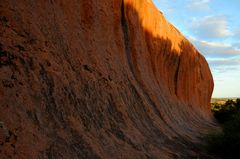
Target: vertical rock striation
{"x": 98, "y": 79}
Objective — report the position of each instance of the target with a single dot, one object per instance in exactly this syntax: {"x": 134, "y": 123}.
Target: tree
{"x": 238, "y": 103}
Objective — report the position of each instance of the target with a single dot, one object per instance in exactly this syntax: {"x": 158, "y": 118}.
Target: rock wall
{"x": 98, "y": 79}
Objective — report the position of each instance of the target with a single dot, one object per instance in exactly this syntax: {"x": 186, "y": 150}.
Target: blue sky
{"x": 213, "y": 26}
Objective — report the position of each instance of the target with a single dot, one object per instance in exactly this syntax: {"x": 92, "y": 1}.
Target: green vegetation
{"x": 225, "y": 112}
{"x": 226, "y": 143}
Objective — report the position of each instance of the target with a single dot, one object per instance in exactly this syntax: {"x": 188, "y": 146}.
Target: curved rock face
{"x": 98, "y": 79}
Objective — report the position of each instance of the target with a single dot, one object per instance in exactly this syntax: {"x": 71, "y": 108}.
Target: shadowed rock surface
{"x": 99, "y": 79}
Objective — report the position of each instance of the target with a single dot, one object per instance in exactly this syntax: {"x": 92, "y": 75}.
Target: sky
{"x": 213, "y": 26}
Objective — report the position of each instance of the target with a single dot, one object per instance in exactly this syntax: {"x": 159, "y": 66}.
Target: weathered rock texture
{"x": 98, "y": 79}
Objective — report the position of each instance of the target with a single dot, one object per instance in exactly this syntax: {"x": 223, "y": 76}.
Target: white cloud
{"x": 199, "y": 4}
{"x": 237, "y": 33}
{"x": 237, "y": 45}
{"x": 214, "y": 49}
{"x": 210, "y": 27}
{"x": 224, "y": 62}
